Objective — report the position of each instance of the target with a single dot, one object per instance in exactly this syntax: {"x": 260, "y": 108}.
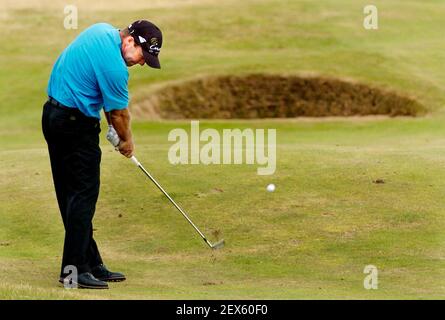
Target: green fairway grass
{"x": 326, "y": 220}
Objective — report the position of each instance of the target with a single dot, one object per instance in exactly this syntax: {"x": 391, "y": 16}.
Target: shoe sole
{"x": 112, "y": 279}
{"x": 82, "y": 286}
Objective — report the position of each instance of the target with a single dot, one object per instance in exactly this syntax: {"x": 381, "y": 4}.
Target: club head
{"x": 218, "y": 245}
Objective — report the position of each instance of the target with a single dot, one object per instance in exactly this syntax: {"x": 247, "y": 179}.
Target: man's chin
{"x": 130, "y": 63}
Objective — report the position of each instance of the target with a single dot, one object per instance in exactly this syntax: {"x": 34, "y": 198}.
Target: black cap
{"x": 149, "y": 37}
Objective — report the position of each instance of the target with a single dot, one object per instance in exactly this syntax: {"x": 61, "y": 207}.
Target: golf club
{"x": 216, "y": 245}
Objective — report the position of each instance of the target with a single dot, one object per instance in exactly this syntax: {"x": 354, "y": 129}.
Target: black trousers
{"x": 73, "y": 145}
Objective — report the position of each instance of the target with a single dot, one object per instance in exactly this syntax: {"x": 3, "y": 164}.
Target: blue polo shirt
{"x": 91, "y": 73}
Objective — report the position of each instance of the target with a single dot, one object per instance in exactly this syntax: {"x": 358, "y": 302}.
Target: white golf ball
{"x": 271, "y": 187}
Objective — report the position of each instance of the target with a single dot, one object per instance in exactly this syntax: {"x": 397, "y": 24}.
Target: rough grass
{"x": 272, "y": 96}
{"x": 311, "y": 238}
{"x": 326, "y": 220}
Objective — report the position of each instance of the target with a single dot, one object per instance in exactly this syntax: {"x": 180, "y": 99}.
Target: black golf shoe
{"x": 87, "y": 281}
{"x": 102, "y": 273}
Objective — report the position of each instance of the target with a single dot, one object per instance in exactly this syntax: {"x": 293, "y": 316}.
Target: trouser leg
{"x": 75, "y": 163}
{"x": 82, "y": 192}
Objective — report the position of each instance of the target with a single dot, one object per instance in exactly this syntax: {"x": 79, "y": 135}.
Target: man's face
{"x": 131, "y": 52}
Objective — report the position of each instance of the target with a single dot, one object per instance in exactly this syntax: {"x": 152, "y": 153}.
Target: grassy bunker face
{"x": 272, "y": 96}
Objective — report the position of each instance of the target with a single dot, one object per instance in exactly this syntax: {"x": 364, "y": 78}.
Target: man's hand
{"x": 112, "y": 136}
{"x": 126, "y": 148}
{"x": 120, "y": 121}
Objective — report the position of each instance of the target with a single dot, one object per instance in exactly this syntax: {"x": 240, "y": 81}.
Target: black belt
{"x": 56, "y": 103}
{"x": 74, "y": 111}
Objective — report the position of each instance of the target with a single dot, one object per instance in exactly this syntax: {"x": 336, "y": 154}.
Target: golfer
{"x": 90, "y": 75}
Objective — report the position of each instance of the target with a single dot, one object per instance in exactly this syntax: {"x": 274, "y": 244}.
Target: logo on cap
{"x": 154, "y": 49}
{"x": 154, "y": 46}
{"x": 141, "y": 39}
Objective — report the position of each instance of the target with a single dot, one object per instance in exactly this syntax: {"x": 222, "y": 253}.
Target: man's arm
{"x": 120, "y": 120}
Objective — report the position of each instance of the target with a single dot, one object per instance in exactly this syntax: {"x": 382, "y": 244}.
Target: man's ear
{"x": 127, "y": 40}
{"x": 130, "y": 40}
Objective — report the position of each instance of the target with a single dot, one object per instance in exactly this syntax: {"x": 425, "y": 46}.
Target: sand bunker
{"x": 271, "y": 96}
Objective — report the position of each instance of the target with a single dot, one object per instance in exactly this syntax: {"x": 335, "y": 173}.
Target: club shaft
{"x": 173, "y": 202}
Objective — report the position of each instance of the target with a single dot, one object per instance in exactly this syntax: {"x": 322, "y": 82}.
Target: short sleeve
{"x": 114, "y": 88}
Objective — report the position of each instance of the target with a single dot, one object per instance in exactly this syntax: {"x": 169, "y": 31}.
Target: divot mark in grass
{"x": 211, "y": 283}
